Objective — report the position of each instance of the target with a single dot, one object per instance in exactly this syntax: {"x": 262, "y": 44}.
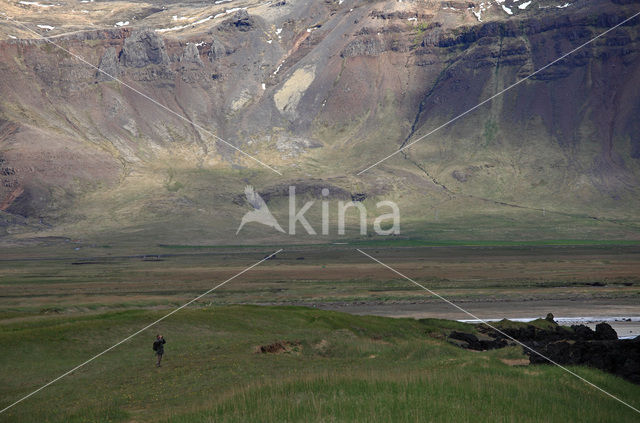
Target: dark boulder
{"x": 583, "y": 332}
{"x": 471, "y": 341}
{"x": 605, "y": 332}
{"x": 620, "y": 357}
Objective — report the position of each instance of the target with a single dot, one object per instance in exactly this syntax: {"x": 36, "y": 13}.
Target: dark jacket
{"x": 158, "y": 346}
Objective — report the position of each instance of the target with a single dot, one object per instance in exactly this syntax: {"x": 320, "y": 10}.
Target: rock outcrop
{"x": 575, "y": 345}
{"x": 472, "y": 342}
{"x": 620, "y": 357}
{"x": 191, "y": 55}
{"x": 217, "y": 50}
{"x": 240, "y": 21}
{"x": 364, "y": 47}
{"x": 109, "y": 65}
{"x": 144, "y": 48}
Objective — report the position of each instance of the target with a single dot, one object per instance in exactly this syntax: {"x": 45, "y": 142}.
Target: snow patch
{"x": 524, "y": 5}
{"x": 264, "y": 86}
{"x": 202, "y": 20}
{"x": 178, "y": 27}
{"x": 122, "y": 23}
{"x": 478, "y": 14}
{"x": 35, "y": 3}
{"x": 564, "y": 5}
{"x": 506, "y": 9}
{"x": 47, "y": 27}
{"x": 174, "y": 28}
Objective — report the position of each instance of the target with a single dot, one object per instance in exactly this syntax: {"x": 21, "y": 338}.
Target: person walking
{"x": 158, "y": 347}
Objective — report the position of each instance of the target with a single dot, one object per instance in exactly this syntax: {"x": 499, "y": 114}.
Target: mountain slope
{"x": 320, "y": 90}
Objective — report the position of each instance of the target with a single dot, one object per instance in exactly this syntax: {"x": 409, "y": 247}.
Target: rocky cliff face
{"x": 320, "y": 88}
{"x": 143, "y": 48}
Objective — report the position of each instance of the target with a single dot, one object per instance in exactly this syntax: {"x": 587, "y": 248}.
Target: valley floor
{"x": 60, "y": 307}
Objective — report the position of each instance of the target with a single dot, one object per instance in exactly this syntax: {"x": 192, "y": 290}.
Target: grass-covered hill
{"x": 275, "y": 364}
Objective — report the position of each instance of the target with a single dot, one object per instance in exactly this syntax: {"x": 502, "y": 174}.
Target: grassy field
{"x": 335, "y": 367}
{"x": 58, "y": 311}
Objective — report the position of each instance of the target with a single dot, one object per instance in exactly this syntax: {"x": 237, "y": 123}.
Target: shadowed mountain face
{"x": 321, "y": 90}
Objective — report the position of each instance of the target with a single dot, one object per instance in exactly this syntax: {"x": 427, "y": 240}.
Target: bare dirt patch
{"x": 515, "y": 361}
{"x": 279, "y": 347}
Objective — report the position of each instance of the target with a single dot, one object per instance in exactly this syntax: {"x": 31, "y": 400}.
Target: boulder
{"x": 583, "y": 332}
{"x": 604, "y": 331}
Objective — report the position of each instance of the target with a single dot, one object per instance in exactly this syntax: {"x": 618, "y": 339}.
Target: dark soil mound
{"x": 279, "y": 347}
